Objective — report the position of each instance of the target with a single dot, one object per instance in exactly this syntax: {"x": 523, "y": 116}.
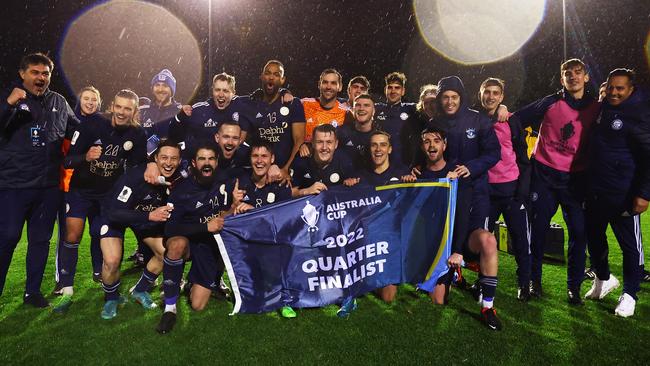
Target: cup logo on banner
{"x": 310, "y": 216}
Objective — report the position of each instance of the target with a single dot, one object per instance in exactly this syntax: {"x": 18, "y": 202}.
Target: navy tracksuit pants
{"x": 516, "y": 218}
{"x": 609, "y": 209}
{"x": 549, "y": 189}
{"x": 38, "y": 207}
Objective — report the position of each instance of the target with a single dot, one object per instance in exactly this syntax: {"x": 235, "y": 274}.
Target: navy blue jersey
{"x": 389, "y": 176}
{"x": 204, "y": 123}
{"x": 399, "y": 121}
{"x": 121, "y": 148}
{"x": 262, "y": 196}
{"x": 195, "y": 205}
{"x": 619, "y": 154}
{"x": 155, "y": 119}
{"x": 306, "y": 172}
{"x": 273, "y": 123}
{"x": 234, "y": 167}
{"x": 31, "y": 135}
{"x": 131, "y": 199}
{"x": 355, "y": 144}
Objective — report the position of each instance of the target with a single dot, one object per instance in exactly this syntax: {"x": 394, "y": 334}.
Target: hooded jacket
{"x": 471, "y": 140}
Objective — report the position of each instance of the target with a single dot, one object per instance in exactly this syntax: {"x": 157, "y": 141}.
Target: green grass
{"x": 411, "y": 331}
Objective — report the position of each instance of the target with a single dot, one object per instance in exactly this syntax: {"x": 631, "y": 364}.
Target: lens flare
{"x": 123, "y": 44}
{"x": 477, "y": 32}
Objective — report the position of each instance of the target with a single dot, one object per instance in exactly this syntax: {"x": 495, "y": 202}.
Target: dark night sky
{"x": 356, "y": 37}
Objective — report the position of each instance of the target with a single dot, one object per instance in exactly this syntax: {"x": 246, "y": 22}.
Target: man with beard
{"x": 33, "y": 123}
{"x": 280, "y": 123}
{"x": 328, "y": 166}
{"x": 564, "y": 122}
{"x": 142, "y": 207}
{"x": 619, "y": 186}
{"x": 326, "y": 109}
{"x": 473, "y": 147}
{"x": 398, "y": 119}
{"x": 200, "y": 203}
{"x": 99, "y": 153}
{"x": 162, "y": 107}
{"x": 509, "y": 181}
{"x": 354, "y": 137}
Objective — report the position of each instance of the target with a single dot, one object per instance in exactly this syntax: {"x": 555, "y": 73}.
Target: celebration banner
{"x": 344, "y": 242}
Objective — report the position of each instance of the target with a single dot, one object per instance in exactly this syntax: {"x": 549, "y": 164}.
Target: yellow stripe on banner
{"x": 414, "y": 185}
{"x": 443, "y": 241}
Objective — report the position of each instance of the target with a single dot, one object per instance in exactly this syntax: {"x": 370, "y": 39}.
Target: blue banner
{"x": 319, "y": 250}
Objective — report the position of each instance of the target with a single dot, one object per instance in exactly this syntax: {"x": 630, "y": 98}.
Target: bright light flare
{"x": 123, "y": 44}
{"x": 478, "y": 31}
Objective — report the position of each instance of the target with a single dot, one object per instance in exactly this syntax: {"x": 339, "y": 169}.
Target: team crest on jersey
{"x": 310, "y": 217}
{"x": 270, "y": 198}
{"x": 403, "y": 116}
{"x": 617, "y": 124}
{"x": 471, "y": 133}
{"x": 124, "y": 194}
{"x": 128, "y": 145}
{"x": 24, "y": 107}
{"x": 334, "y": 123}
{"x": 534, "y": 196}
{"x": 284, "y": 111}
{"x": 210, "y": 123}
{"x": 235, "y": 117}
{"x": 335, "y": 177}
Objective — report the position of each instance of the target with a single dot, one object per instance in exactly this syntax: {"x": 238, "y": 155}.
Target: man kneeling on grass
{"x": 469, "y": 241}
{"x": 200, "y": 203}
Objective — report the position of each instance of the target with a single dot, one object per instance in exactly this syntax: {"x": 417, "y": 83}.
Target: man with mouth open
{"x": 142, "y": 207}
{"x": 99, "y": 153}
{"x": 280, "y": 123}
{"x": 33, "y": 123}
{"x": 200, "y": 202}
{"x": 197, "y": 124}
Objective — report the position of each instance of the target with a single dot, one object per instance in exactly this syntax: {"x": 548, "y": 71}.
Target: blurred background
{"x": 122, "y": 44}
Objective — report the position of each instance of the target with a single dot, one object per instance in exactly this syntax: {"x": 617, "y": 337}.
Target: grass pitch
{"x": 410, "y": 331}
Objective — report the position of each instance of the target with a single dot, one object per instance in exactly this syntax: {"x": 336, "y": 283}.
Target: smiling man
{"x": 619, "y": 186}
{"x": 135, "y": 204}
{"x": 33, "y": 123}
{"x": 354, "y": 137}
{"x": 99, "y": 153}
{"x": 326, "y": 109}
{"x": 564, "y": 121}
{"x": 162, "y": 106}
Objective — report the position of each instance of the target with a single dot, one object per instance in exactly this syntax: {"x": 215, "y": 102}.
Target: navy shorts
{"x": 81, "y": 207}
{"x": 479, "y": 215}
{"x": 207, "y": 265}
{"x": 105, "y": 229}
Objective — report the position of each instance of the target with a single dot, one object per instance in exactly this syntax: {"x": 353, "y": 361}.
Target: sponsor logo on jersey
{"x": 125, "y": 194}
{"x": 210, "y": 123}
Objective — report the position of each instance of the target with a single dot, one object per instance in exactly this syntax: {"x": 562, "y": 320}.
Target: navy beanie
{"x": 165, "y": 76}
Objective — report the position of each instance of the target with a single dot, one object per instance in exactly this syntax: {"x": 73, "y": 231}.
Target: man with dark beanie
{"x": 473, "y": 146}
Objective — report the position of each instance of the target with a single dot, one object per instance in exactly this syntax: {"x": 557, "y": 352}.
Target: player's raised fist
{"x": 16, "y": 96}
